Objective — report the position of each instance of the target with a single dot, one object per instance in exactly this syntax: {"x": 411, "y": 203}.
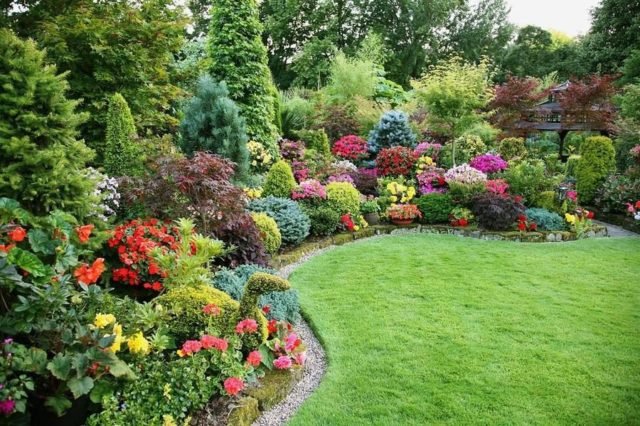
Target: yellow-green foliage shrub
{"x": 597, "y": 161}
{"x": 280, "y": 181}
{"x": 343, "y": 198}
{"x": 269, "y": 232}
{"x": 572, "y": 164}
{"x": 512, "y": 148}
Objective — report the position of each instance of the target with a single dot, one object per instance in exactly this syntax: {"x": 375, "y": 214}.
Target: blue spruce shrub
{"x": 546, "y": 220}
{"x": 392, "y": 130}
{"x": 283, "y": 304}
{"x": 292, "y": 221}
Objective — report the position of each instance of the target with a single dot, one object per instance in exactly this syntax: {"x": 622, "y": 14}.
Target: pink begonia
{"x": 572, "y": 195}
{"x": 291, "y": 342}
{"x": 209, "y": 342}
{"x": 300, "y": 358}
{"x": 254, "y": 358}
{"x": 248, "y": 325}
{"x": 497, "y": 186}
{"x": 282, "y": 363}
{"x": 309, "y": 189}
{"x": 465, "y": 174}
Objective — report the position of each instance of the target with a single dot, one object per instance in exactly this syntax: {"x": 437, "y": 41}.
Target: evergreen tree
{"x": 122, "y": 155}
{"x": 239, "y": 58}
{"x": 42, "y": 163}
{"x": 212, "y": 123}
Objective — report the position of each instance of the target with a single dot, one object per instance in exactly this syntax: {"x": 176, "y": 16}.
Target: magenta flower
{"x": 282, "y": 363}
{"x": 7, "y": 406}
{"x": 488, "y": 163}
{"x": 309, "y": 189}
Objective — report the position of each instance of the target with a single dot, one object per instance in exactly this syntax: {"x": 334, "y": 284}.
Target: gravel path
{"x": 616, "y": 231}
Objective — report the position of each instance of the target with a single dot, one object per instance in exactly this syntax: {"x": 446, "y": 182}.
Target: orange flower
{"x": 18, "y": 234}
{"x": 89, "y": 274}
{"x": 6, "y": 248}
{"x": 84, "y": 232}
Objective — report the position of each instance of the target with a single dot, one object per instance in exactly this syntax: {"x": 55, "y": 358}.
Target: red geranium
{"x": 233, "y": 385}
{"x": 132, "y": 243}
{"x": 396, "y": 161}
{"x": 254, "y": 358}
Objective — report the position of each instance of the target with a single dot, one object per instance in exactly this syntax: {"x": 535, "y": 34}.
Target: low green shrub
{"x": 280, "y": 181}
{"x": 269, "y": 232}
{"x": 291, "y": 220}
{"x": 343, "y": 198}
{"x": 529, "y": 179}
{"x": 316, "y": 140}
{"x": 545, "y": 220}
{"x": 324, "y": 220}
{"x": 572, "y": 164}
{"x": 283, "y": 305}
{"x": 549, "y": 200}
{"x": 435, "y": 207}
{"x": 597, "y": 161}
{"x": 616, "y": 191}
{"x": 512, "y": 149}
{"x": 464, "y": 194}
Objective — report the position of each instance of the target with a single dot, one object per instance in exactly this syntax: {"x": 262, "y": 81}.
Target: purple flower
{"x": 343, "y": 177}
{"x": 488, "y": 163}
{"x": 8, "y": 341}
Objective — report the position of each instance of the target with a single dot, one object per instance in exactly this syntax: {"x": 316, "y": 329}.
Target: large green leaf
{"x": 101, "y": 389}
{"x": 80, "y": 386}
{"x": 58, "y": 403}
{"x": 40, "y": 242}
{"x": 60, "y": 366}
{"x": 27, "y": 261}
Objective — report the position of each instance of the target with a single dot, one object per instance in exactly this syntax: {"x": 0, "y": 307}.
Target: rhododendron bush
{"x": 396, "y": 161}
{"x": 350, "y": 147}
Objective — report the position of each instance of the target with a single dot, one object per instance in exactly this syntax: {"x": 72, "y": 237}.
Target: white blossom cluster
{"x": 107, "y": 192}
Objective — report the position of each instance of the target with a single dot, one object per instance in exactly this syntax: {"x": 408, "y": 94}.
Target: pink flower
{"x": 209, "y": 342}
{"x": 282, "y": 363}
{"x": 254, "y": 358}
{"x": 300, "y": 358}
{"x": 291, "y": 342}
{"x": 7, "y": 406}
{"x": 248, "y": 325}
{"x": 211, "y": 309}
{"x": 572, "y": 195}
{"x": 191, "y": 347}
{"x": 233, "y": 385}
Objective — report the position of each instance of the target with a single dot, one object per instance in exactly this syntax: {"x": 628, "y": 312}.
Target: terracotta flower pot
{"x": 402, "y": 222}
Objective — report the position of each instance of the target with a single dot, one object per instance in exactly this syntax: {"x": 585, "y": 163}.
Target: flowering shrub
{"x": 634, "y": 210}
{"x": 343, "y": 166}
{"x": 261, "y": 159}
{"x": 341, "y": 178}
{"x": 429, "y": 149}
{"x": 107, "y": 192}
{"x": 350, "y": 147}
{"x": 309, "y": 190}
{"x": 432, "y": 181}
{"x": 291, "y": 150}
{"x": 300, "y": 170}
{"x": 403, "y": 212}
{"x": 353, "y": 223}
{"x": 396, "y": 161}
{"x": 253, "y": 193}
{"x": 464, "y": 174}
{"x": 460, "y": 216}
{"x": 488, "y": 163}
{"x": 497, "y": 186}
{"x": 424, "y": 163}
{"x": 132, "y": 242}
{"x": 580, "y": 221}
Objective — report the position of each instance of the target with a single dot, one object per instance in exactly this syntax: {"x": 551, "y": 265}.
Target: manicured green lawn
{"x": 426, "y": 329}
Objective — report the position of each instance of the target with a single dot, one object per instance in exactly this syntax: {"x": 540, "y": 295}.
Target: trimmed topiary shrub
{"x": 316, "y": 140}
{"x": 392, "y": 130}
{"x": 343, "y": 197}
{"x": 435, "y": 207}
{"x": 324, "y": 220}
{"x": 546, "y": 220}
{"x": 572, "y": 164}
{"x": 512, "y": 148}
{"x": 269, "y": 232}
{"x": 291, "y": 220}
{"x": 282, "y": 305}
{"x": 496, "y": 212}
{"x": 122, "y": 155}
{"x": 280, "y": 181}
{"x": 597, "y": 161}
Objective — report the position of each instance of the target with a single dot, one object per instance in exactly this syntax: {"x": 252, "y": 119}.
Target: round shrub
{"x": 572, "y": 164}
{"x": 280, "y": 181}
{"x": 546, "y": 220}
{"x": 462, "y": 150}
{"x": 512, "y": 148}
{"x": 269, "y": 232}
{"x": 396, "y": 161}
{"x": 597, "y": 161}
{"x": 343, "y": 198}
{"x": 392, "y": 130}
{"x": 282, "y": 305}
{"x": 495, "y": 212}
{"x": 435, "y": 207}
{"x": 185, "y": 318}
{"x": 316, "y": 140}
{"x": 528, "y": 179}
{"x": 324, "y": 220}
{"x": 350, "y": 147}
{"x": 291, "y": 220}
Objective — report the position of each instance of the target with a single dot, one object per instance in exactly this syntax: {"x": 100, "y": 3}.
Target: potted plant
{"x": 370, "y": 210}
{"x": 403, "y": 214}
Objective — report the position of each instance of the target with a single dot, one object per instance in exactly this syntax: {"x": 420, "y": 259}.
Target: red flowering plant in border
{"x": 132, "y": 242}
{"x": 396, "y": 161}
{"x": 350, "y": 147}
{"x": 403, "y": 212}
{"x": 524, "y": 224}
{"x": 283, "y": 348}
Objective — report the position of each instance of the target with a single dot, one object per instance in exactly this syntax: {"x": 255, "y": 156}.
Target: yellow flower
{"x": 117, "y": 342}
{"x": 570, "y": 218}
{"x": 180, "y": 353}
{"x": 356, "y": 227}
{"x": 393, "y": 198}
{"x": 168, "y": 420}
{"x": 138, "y": 344}
{"x": 166, "y": 391}
{"x": 103, "y": 320}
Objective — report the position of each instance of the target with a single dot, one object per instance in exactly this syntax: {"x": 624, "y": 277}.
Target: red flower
{"x": 248, "y": 325}
{"x": 517, "y": 198}
{"x": 272, "y": 326}
{"x": 6, "y": 248}
{"x": 233, "y": 385}
{"x": 89, "y": 274}
{"x": 533, "y": 226}
{"x": 211, "y": 309}
{"x": 522, "y": 218}
{"x": 18, "y": 234}
{"x": 637, "y": 204}
{"x": 209, "y": 342}
{"x": 522, "y": 226}
{"x": 84, "y": 232}
{"x": 266, "y": 309}
{"x": 191, "y": 347}
{"x": 463, "y": 222}
{"x": 590, "y": 215}
{"x": 254, "y": 358}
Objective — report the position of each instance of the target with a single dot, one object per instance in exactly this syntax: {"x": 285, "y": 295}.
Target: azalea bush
{"x": 310, "y": 192}
{"x": 465, "y": 174}
{"x": 431, "y": 180}
{"x": 395, "y": 161}
{"x": 428, "y": 149}
{"x": 488, "y": 163}
{"x": 350, "y": 147}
